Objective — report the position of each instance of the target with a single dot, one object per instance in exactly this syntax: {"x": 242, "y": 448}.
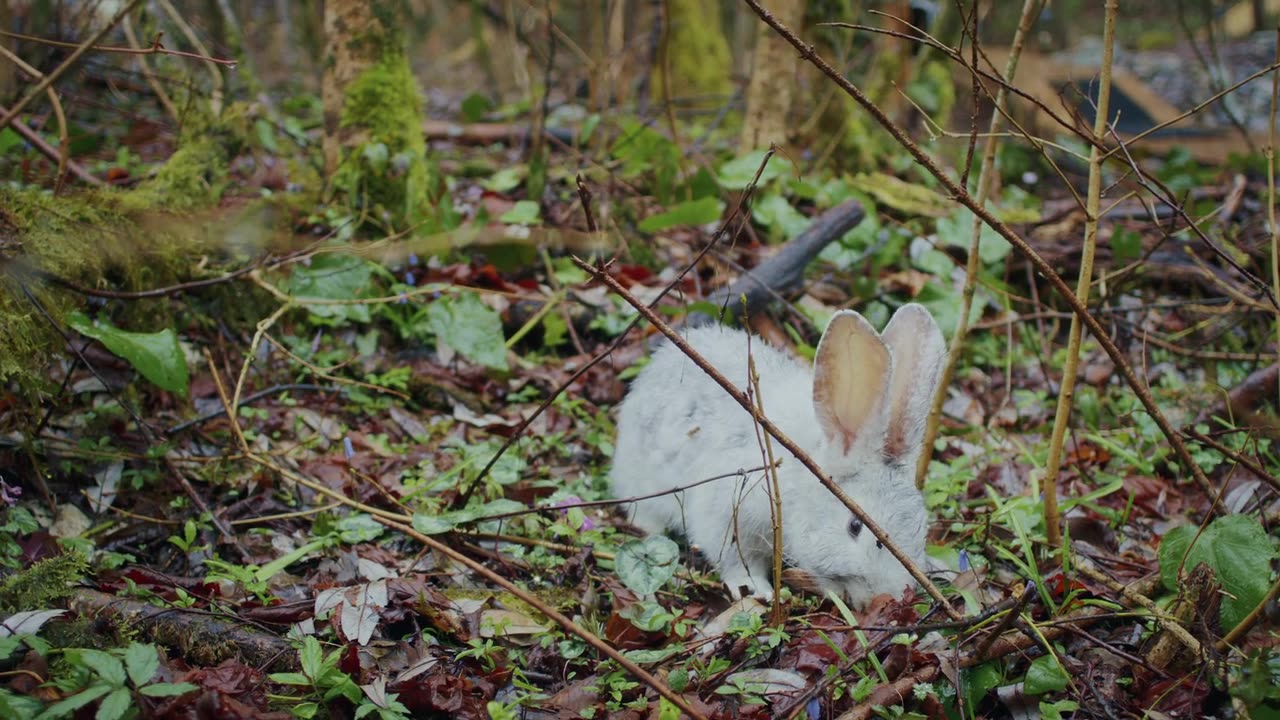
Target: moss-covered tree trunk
{"x": 374, "y": 149}
{"x": 773, "y": 74}
{"x": 695, "y": 53}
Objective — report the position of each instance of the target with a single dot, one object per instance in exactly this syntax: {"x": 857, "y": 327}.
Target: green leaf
{"x": 142, "y": 661}
{"x": 169, "y": 689}
{"x": 290, "y": 678}
{"x": 433, "y": 524}
{"x": 956, "y": 230}
{"x": 1126, "y": 245}
{"x": 115, "y": 705}
{"x": 979, "y": 681}
{"x": 780, "y": 216}
{"x": 312, "y": 657}
{"x": 648, "y": 657}
{"x": 19, "y": 707}
{"x": 506, "y": 179}
{"x": 1045, "y": 675}
{"x": 738, "y": 173}
{"x": 1053, "y": 711}
{"x": 357, "y": 528}
{"x": 107, "y": 666}
{"x": 474, "y": 107}
{"x": 466, "y": 324}
{"x": 68, "y": 705}
{"x": 306, "y": 710}
{"x": 524, "y": 212}
{"x": 1238, "y": 551}
{"x": 646, "y": 565}
{"x": 157, "y": 356}
{"x": 332, "y": 277}
{"x": 694, "y": 212}
{"x": 266, "y": 135}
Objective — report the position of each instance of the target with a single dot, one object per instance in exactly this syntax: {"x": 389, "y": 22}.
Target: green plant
{"x": 484, "y": 651}
{"x": 16, "y": 521}
{"x": 322, "y": 681}
{"x": 114, "y": 678}
{"x": 747, "y": 692}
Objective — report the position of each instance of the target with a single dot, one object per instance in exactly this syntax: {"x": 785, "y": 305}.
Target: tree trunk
{"x": 374, "y": 148}
{"x": 773, "y": 75}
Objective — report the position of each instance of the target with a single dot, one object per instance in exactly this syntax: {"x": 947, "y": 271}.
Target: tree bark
{"x": 773, "y": 74}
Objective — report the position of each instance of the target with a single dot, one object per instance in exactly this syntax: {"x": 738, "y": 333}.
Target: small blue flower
{"x": 347, "y": 449}
{"x": 403, "y": 299}
{"x": 413, "y": 259}
{"x": 409, "y": 279}
{"x": 814, "y": 708}
{"x": 964, "y": 561}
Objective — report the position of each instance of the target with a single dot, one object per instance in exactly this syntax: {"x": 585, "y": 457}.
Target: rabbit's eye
{"x": 855, "y": 527}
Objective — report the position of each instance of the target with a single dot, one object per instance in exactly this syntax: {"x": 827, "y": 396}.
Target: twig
{"x": 1271, "y": 189}
{"x": 803, "y": 457}
{"x": 1167, "y": 621}
{"x": 1239, "y": 458}
{"x": 155, "y": 49}
{"x": 1030, "y": 11}
{"x": 1033, "y": 258}
{"x": 48, "y": 80}
{"x": 52, "y": 152}
{"x": 1093, "y": 198}
{"x": 161, "y": 96}
{"x": 63, "y": 153}
{"x": 569, "y": 625}
{"x": 215, "y": 73}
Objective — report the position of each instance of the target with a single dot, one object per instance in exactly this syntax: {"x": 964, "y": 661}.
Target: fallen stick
{"x": 783, "y": 272}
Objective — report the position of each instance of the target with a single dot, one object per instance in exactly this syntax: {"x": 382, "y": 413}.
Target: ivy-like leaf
{"x": 1045, "y": 675}
{"x": 693, "y": 212}
{"x": 646, "y": 565}
{"x": 466, "y": 324}
{"x": 1238, "y": 551}
{"x": 157, "y": 356}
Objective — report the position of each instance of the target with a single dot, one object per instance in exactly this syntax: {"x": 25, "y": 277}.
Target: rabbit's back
{"x": 678, "y": 426}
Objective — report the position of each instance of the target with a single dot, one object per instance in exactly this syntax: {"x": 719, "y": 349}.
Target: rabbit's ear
{"x": 850, "y": 380}
{"x": 918, "y": 355}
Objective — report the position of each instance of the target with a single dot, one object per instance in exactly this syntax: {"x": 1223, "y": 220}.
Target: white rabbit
{"x": 859, "y": 413}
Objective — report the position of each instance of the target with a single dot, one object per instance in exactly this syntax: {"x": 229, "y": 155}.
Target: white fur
{"x": 677, "y": 426}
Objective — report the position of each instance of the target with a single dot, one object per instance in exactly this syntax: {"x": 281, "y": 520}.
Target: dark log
{"x": 783, "y": 272}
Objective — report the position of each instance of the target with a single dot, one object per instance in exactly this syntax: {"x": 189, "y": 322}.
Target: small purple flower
{"x": 409, "y": 279}
{"x": 404, "y": 299}
{"x": 574, "y": 500}
{"x": 9, "y": 494}
{"x": 347, "y": 449}
{"x": 964, "y": 561}
{"x": 315, "y": 341}
{"x": 813, "y": 708}
{"x": 413, "y": 260}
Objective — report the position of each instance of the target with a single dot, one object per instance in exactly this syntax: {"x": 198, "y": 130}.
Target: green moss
{"x": 42, "y": 585}
{"x": 388, "y": 171}
{"x": 696, "y": 52}
{"x": 195, "y": 176}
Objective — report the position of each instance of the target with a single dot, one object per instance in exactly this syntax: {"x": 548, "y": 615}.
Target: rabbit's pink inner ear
{"x": 851, "y": 373}
{"x": 918, "y": 354}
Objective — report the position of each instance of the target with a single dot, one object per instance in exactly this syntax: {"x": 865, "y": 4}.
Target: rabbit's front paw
{"x": 745, "y": 585}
